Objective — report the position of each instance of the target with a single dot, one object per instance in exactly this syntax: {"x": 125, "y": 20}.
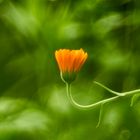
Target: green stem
{"x": 118, "y": 93}
{"x": 90, "y": 106}
{"x": 74, "y": 103}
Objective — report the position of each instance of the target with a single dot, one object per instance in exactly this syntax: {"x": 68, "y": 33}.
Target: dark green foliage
{"x": 33, "y": 102}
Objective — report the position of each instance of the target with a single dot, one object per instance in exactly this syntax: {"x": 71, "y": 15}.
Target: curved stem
{"x": 74, "y": 103}
{"x": 90, "y": 106}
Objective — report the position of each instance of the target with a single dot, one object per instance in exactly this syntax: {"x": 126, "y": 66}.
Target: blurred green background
{"x": 33, "y": 101}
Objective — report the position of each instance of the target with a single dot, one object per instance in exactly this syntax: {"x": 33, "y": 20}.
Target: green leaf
{"x": 134, "y": 99}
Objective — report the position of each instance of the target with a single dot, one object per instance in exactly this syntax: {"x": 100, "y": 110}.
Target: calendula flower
{"x": 70, "y": 62}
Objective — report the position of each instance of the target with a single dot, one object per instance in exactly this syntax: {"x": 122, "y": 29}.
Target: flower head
{"x": 70, "y": 62}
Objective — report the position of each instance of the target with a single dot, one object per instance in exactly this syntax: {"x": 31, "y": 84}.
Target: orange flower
{"x": 70, "y": 61}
